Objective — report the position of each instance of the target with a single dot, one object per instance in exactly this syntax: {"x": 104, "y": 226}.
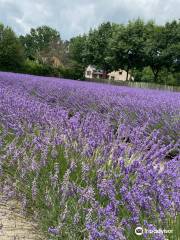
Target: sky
{"x": 74, "y": 17}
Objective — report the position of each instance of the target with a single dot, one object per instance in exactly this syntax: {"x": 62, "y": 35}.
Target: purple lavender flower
{"x": 53, "y": 230}
{"x": 125, "y": 140}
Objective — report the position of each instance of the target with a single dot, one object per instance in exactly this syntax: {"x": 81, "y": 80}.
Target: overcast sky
{"x": 73, "y": 17}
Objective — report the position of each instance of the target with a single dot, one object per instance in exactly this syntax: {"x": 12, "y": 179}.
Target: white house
{"x": 92, "y": 72}
{"x": 119, "y": 75}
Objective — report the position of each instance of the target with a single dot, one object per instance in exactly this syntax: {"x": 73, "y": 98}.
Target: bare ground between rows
{"x": 14, "y": 225}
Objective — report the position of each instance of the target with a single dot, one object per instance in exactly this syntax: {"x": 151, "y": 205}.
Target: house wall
{"x": 89, "y": 70}
{"x": 56, "y": 62}
{"x": 115, "y": 75}
{"x": 91, "y": 73}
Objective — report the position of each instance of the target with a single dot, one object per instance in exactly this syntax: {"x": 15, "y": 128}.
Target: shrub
{"x": 35, "y": 68}
{"x": 72, "y": 72}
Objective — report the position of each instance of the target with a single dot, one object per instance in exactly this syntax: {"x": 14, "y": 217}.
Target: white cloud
{"x": 72, "y": 17}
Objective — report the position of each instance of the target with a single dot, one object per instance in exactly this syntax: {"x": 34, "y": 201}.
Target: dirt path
{"x": 15, "y": 226}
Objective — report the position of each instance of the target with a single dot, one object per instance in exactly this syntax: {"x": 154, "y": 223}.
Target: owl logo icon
{"x": 139, "y": 231}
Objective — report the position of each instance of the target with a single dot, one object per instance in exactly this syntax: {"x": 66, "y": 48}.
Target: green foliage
{"x": 77, "y": 49}
{"x": 145, "y": 75}
{"x": 11, "y": 50}
{"x": 176, "y": 76}
{"x": 35, "y": 68}
{"x": 96, "y": 48}
{"x": 164, "y": 76}
{"x": 75, "y": 71}
{"x": 148, "y": 51}
{"x": 169, "y": 78}
{"x": 156, "y": 50}
{"x": 126, "y": 46}
{"x": 38, "y": 40}
{"x": 139, "y": 46}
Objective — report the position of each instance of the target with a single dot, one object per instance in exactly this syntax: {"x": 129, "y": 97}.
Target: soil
{"x": 14, "y": 225}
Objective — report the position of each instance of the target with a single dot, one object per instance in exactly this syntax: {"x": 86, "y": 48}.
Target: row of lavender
{"x": 97, "y": 160}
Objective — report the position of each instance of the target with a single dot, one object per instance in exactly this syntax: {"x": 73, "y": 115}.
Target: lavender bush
{"x": 90, "y": 161}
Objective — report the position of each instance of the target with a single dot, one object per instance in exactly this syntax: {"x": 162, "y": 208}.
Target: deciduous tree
{"x": 11, "y": 50}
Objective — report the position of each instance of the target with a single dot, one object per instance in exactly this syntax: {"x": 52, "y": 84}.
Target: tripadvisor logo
{"x": 139, "y": 231}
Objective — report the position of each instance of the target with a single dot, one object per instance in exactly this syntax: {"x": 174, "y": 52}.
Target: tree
{"x": 11, "y": 50}
{"x": 126, "y": 48}
{"x": 154, "y": 48}
{"x": 76, "y": 49}
{"x": 96, "y": 48}
{"x": 42, "y": 44}
{"x": 75, "y": 64}
{"x": 172, "y": 41}
{"x": 162, "y": 50}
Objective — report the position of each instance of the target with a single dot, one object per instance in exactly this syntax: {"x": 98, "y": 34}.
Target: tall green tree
{"x": 75, "y": 64}
{"x": 11, "y": 50}
{"x": 126, "y": 47}
{"x": 162, "y": 48}
{"x": 96, "y": 49}
{"x": 76, "y": 49}
{"x": 155, "y": 49}
{"x": 172, "y": 41}
{"x": 42, "y": 44}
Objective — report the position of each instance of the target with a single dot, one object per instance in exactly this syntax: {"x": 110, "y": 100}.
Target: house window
{"x": 88, "y": 73}
{"x": 112, "y": 77}
{"x": 120, "y": 72}
{"x": 101, "y": 76}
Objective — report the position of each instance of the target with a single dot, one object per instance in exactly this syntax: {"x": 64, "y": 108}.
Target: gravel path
{"x": 15, "y": 226}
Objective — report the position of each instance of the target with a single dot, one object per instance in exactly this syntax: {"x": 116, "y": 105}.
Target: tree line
{"x": 149, "y": 52}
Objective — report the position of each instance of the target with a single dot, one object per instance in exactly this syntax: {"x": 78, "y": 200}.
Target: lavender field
{"x": 90, "y": 160}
